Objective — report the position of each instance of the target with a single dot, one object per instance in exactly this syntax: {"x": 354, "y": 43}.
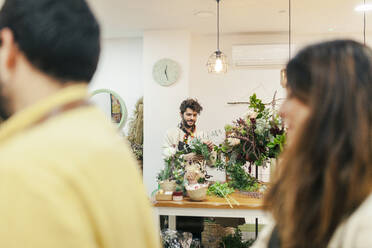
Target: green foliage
{"x": 220, "y": 164}
{"x": 164, "y": 174}
{"x": 202, "y": 180}
{"x": 199, "y": 148}
{"x": 235, "y": 241}
{"x": 209, "y": 220}
{"x": 174, "y": 164}
{"x": 173, "y": 169}
{"x": 220, "y": 190}
{"x": 256, "y": 104}
{"x": 220, "y": 160}
{"x": 277, "y": 145}
{"x": 228, "y": 128}
{"x": 240, "y": 179}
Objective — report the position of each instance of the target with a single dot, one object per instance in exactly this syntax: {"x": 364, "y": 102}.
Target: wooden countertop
{"x": 245, "y": 202}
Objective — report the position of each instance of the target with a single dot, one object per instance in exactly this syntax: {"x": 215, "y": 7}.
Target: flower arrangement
{"x": 199, "y": 148}
{"x": 174, "y": 166}
{"x": 251, "y": 140}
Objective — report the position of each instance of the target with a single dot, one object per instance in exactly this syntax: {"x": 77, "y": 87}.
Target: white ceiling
{"x": 131, "y": 17}
{"x": 123, "y": 18}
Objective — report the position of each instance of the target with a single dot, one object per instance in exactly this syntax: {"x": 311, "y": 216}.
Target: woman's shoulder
{"x": 264, "y": 236}
{"x": 355, "y": 231}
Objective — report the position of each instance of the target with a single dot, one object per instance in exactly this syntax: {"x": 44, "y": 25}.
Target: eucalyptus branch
{"x": 224, "y": 196}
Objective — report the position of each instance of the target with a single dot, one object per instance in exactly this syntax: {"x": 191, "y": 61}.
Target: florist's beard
{"x": 186, "y": 125}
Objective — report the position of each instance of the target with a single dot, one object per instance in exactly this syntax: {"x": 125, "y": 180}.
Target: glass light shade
{"x": 217, "y": 63}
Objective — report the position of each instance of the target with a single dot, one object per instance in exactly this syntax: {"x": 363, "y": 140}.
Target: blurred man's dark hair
{"x": 58, "y": 37}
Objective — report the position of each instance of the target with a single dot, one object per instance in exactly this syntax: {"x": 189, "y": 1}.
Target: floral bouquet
{"x": 251, "y": 140}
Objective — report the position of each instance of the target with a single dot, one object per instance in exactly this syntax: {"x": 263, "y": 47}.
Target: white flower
{"x": 261, "y": 126}
{"x": 250, "y": 114}
{"x": 169, "y": 152}
{"x": 233, "y": 141}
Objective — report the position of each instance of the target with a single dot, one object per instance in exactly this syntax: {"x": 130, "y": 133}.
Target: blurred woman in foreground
{"x": 321, "y": 193}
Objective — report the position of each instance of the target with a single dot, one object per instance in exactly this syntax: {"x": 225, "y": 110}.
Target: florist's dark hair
{"x": 60, "y": 38}
{"x": 192, "y": 104}
{"x": 326, "y": 171}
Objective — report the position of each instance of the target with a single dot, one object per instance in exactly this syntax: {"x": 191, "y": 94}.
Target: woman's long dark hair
{"x": 326, "y": 171}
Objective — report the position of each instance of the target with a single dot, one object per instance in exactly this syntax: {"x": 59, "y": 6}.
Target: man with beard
{"x": 181, "y": 136}
{"x": 67, "y": 179}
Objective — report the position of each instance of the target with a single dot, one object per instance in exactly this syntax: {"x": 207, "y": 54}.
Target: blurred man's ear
{"x": 8, "y": 52}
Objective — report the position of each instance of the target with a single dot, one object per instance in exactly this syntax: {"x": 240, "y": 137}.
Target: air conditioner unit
{"x": 267, "y": 55}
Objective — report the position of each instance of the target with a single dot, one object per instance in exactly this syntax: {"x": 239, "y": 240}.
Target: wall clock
{"x": 166, "y": 72}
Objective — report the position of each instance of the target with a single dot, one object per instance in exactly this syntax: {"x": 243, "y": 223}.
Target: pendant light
{"x": 217, "y": 62}
{"x": 283, "y": 72}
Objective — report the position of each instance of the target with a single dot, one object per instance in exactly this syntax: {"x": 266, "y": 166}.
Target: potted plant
{"x": 178, "y": 194}
{"x": 166, "y": 181}
{"x": 173, "y": 172}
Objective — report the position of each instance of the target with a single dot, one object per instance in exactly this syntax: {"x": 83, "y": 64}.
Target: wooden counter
{"x": 214, "y": 202}
{"x": 211, "y": 207}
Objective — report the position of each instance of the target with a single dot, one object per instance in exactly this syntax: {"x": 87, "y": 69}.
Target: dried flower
{"x": 250, "y": 114}
{"x": 233, "y": 141}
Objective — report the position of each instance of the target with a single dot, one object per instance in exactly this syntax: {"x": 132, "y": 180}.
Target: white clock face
{"x": 166, "y": 72}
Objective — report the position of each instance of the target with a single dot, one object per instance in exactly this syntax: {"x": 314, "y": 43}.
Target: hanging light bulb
{"x": 217, "y": 62}
{"x": 218, "y": 66}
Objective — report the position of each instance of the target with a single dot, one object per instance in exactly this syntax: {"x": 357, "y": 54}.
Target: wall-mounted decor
{"x": 118, "y": 109}
{"x": 166, "y": 72}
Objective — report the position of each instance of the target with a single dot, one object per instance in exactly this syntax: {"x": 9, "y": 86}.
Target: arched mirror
{"x": 112, "y": 104}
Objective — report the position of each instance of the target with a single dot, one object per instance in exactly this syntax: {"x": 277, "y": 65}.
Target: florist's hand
{"x": 189, "y": 157}
{"x": 192, "y": 157}
{"x": 209, "y": 144}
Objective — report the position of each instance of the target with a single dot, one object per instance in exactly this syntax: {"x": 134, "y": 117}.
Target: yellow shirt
{"x": 70, "y": 181}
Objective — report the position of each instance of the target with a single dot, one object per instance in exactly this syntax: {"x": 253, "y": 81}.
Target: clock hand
{"x": 166, "y": 74}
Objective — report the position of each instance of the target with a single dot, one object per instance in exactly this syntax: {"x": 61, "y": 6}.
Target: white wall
{"x": 214, "y": 91}
{"x": 161, "y": 103}
{"x": 120, "y": 70}
{"x": 126, "y": 67}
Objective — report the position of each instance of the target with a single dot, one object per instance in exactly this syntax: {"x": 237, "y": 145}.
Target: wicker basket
{"x": 199, "y": 194}
{"x": 212, "y": 234}
{"x": 163, "y": 196}
{"x": 257, "y": 195}
{"x": 168, "y": 185}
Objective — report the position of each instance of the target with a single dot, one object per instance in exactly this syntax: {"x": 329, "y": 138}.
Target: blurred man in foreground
{"x": 66, "y": 177}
